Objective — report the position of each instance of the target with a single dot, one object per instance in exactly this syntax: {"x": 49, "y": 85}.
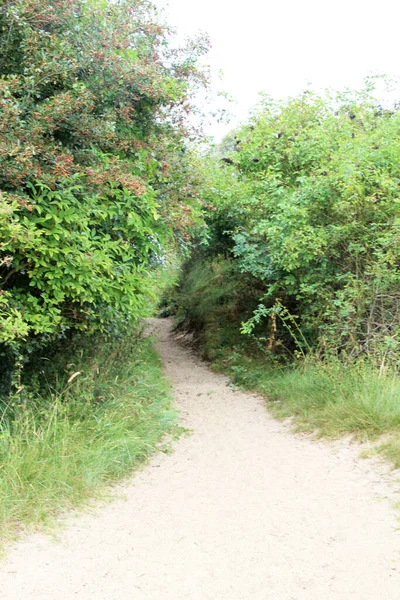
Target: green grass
{"x": 69, "y": 440}
{"x": 212, "y": 301}
{"x": 329, "y": 399}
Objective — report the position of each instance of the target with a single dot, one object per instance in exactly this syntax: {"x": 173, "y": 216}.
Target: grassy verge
{"x": 97, "y": 412}
{"x": 326, "y": 398}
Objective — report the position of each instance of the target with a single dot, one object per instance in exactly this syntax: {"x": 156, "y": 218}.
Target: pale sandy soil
{"x": 242, "y": 510}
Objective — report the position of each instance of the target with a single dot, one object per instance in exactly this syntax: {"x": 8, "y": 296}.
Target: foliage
{"x": 97, "y": 409}
{"x": 93, "y": 112}
{"x": 210, "y": 301}
{"x": 308, "y": 205}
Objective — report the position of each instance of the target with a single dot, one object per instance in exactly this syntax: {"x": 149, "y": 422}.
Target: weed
{"x": 78, "y": 434}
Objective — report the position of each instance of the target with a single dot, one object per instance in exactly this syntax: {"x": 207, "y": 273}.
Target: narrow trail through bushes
{"x": 241, "y": 510}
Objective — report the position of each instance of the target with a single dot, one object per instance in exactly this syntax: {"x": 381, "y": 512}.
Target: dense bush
{"x": 93, "y": 106}
{"x": 308, "y": 206}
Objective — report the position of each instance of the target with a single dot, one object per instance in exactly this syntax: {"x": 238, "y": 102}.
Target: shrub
{"x": 93, "y": 108}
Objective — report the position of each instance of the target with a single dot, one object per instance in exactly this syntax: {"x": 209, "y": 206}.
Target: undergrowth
{"x": 211, "y": 301}
{"x": 91, "y": 416}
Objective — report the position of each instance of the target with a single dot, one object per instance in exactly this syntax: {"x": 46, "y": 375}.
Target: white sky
{"x": 281, "y": 46}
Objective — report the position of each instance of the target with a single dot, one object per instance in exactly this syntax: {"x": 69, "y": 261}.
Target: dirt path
{"x": 242, "y": 510}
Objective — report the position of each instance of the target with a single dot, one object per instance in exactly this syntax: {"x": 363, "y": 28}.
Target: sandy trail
{"x": 242, "y": 510}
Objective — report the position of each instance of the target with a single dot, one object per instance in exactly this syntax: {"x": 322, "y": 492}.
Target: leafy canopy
{"x": 308, "y": 205}
{"x": 93, "y": 120}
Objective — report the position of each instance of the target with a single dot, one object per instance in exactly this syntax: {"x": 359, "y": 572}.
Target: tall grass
{"x": 68, "y": 440}
{"x": 212, "y": 300}
{"x": 327, "y": 398}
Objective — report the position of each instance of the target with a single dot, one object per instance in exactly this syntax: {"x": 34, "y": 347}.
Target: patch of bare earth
{"x": 242, "y": 510}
